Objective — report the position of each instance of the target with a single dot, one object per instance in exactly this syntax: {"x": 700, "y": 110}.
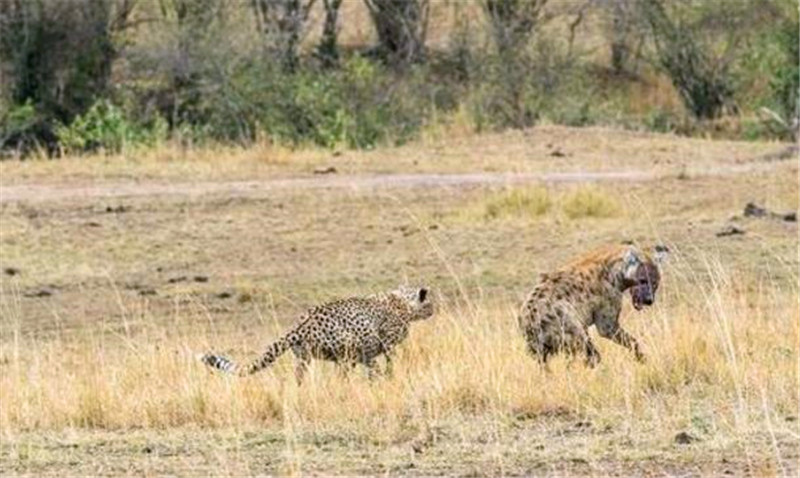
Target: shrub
{"x": 702, "y": 81}
{"x": 543, "y": 81}
{"x": 589, "y": 201}
{"x": 401, "y": 26}
{"x": 513, "y": 22}
{"x": 358, "y": 106}
{"x": 282, "y": 24}
{"x": 105, "y": 127}
{"x": 785, "y": 83}
{"x": 17, "y": 126}
{"x": 518, "y": 202}
{"x": 58, "y": 55}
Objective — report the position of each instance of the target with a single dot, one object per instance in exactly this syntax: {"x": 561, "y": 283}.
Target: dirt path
{"x": 50, "y": 192}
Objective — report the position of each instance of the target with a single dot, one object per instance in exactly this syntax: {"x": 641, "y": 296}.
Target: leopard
{"x": 587, "y": 291}
{"x": 347, "y": 331}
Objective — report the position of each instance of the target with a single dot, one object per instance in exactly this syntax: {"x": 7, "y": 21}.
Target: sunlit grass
{"x": 518, "y": 202}
{"x": 589, "y": 201}
{"x": 709, "y": 345}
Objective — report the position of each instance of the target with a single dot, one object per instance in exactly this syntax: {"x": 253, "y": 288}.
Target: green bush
{"x": 17, "y": 122}
{"x": 57, "y": 56}
{"x": 785, "y": 83}
{"x": 542, "y": 82}
{"x": 358, "y": 106}
{"x": 105, "y": 127}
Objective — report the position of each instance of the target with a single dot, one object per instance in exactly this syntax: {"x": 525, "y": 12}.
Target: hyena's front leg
{"x": 611, "y": 330}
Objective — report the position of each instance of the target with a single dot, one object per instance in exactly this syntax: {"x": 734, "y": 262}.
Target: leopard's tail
{"x": 272, "y": 353}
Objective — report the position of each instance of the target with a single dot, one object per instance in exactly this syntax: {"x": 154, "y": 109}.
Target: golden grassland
{"x": 100, "y": 376}
{"x": 722, "y": 367}
{"x": 446, "y": 149}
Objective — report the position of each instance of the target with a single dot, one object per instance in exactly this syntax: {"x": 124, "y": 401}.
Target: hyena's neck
{"x": 607, "y": 271}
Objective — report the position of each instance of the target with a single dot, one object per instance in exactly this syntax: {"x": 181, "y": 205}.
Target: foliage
{"x": 105, "y": 127}
{"x": 543, "y": 82}
{"x": 702, "y": 81}
{"x": 401, "y": 26}
{"x": 16, "y": 125}
{"x": 59, "y": 54}
{"x": 358, "y": 106}
{"x": 282, "y": 24}
{"x": 235, "y": 72}
{"x": 513, "y": 22}
{"x": 785, "y": 83}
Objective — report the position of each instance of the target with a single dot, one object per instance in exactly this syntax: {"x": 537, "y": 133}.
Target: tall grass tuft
{"x": 518, "y": 202}
{"x": 589, "y": 201}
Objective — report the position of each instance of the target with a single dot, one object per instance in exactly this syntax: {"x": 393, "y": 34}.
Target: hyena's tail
{"x": 263, "y": 361}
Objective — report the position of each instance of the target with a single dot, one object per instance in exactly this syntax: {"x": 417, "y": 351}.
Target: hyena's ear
{"x": 660, "y": 254}
{"x": 631, "y": 257}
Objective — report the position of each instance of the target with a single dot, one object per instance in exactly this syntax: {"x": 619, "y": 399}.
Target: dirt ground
{"x": 121, "y": 245}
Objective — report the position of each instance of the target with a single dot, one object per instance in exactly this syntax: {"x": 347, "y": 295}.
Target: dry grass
{"x": 518, "y": 202}
{"x": 589, "y": 201}
{"x": 722, "y": 366}
{"x": 542, "y": 149}
{"x": 99, "y": 378}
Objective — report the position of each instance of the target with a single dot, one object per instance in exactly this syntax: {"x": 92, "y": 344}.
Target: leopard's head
{"x": 419, "y": 301}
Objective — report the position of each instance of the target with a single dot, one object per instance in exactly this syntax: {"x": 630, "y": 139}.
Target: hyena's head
{"x": 641, "y": 274}
{"x": 418, "y": 299}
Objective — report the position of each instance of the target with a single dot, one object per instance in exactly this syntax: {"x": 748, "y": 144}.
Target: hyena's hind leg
{"x": 577, "y": 343}
{"x": 539, "y": 347}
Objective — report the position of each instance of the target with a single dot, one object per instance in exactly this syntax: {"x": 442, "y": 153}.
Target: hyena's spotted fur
{"x": 589, "y": 291}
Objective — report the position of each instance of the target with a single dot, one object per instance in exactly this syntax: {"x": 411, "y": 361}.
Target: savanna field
{"x": 118, "y": 270}
{"x": 180, "y": 177}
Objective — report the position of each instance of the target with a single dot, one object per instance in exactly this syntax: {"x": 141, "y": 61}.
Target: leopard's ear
{"x": 423, "y": 294}
{"x": 660, "y": 254}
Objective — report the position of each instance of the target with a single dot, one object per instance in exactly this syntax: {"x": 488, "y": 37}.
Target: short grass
{"x": 99, "y": 376}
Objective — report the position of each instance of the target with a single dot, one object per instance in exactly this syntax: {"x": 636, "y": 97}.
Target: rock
{"x": 175, "y": 280}
{"x": 11, "y": 271}
{"x": 730, "y": 230}
{"x": 201, "y": 278}
{"x": 684, "y": 438}
{"x": 224, "y": 295}
{"x": 754, "y": 210}
{"x": 43, "y": 292}
{"x": 144, "y": 292}
{"x": 325, "y": 170}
